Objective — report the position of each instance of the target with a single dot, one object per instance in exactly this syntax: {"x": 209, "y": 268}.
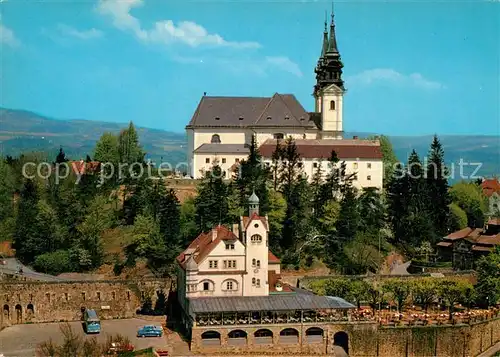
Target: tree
{"x": 452, "y": 292}
{"x": 26, "y": 241}
{"x": 437, "y": 189}
{"x": 252, "y": 177}
{"x": 371, "y": 209}
{"x": 61, "y": 156}
{"x": 399, "y": 290}
{"x": 361, "y": 255}
{"x": 488, "y": 278}
{"x": 359, "y": 291}
{"x": 211, "y": 201}
{"x": 389, "y": 158}
{"x": 106, "y": 149}
{"x": 129, "y": 149}
{"x": 276, "y": 215}
{"x": 189, "y": 229}
{"x": 424, "y": 291}
{"x": 471, "y": 199}
{"x": 349, "y": 220}
{"x": 458, "y": 217}
{"x": 409, "y": 206}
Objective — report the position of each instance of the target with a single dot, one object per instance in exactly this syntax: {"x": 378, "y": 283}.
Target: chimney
{"x": 214, "y": 234}
{"x": 236, "y": 230}
{"x": 355, "y": 137}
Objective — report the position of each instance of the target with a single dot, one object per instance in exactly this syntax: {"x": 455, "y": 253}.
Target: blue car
{"x": 150, "y": 331}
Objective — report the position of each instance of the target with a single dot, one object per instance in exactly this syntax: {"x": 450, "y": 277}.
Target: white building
{"x": 222, "y": 127}
{"x": 230, "y": 263}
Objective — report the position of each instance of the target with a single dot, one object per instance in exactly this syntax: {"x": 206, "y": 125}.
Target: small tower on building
{"x": 329, "y": 89}
{"x": 191, "y": 277}
{"x": 253, "y": 205}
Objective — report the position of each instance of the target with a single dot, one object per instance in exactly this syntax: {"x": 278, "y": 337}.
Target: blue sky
{"x": 410, "y": 68}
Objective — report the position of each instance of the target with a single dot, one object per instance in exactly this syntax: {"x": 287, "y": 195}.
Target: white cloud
{"x": 165, "y": 31}
{"x": 285, "y": 64}
{"x": 7, "y": 36}
{"x": 80, "y": 34}
{"x": 392, "y": 76}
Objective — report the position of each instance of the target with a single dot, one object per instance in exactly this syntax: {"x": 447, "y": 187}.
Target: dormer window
{"x": 287, "y": 117}
{"x": 240, "y": 118}
{"x": 217, "y": 118}
{"x": 215, "y": 139}
{"x": 302, "y": 119}
{"x": 268, "y": 118}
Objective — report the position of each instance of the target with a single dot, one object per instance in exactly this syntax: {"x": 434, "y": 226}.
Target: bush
{"x": 54, "y": 263}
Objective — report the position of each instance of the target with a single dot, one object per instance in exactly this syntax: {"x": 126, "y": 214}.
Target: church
{"x": 221, "y": 128}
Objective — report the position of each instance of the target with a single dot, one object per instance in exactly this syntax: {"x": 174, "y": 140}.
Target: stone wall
{"x": 364, "y": 339}
{"x": 33, "y": 301}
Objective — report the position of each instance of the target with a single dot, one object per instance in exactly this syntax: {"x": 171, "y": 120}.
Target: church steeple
{"x": 325, "y": 42}
{"x": 329, "y": 68}
{"x": 332, "y": 42}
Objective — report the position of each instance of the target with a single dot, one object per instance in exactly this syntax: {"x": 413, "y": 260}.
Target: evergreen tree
{"x": 409, "y": 205}
{"x": 88, "y": 159}
{"x": 253, "y": 176}
{"x": 25, "y": 234}
{"x": 106, "y": 149}
{"x": 317, "y": 192}
{"x": 61, "y": 156}
{"x": 372, "y": 210}
{"x": 437, "y": 190}
{"x": 129, "y": 149}
{"x": 211, "y": 202}
{"x": 169, "y": 218}
{"x": 349, "y": 220}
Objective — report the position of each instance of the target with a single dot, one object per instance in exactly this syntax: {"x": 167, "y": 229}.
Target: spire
{"x": 325, "y": 40}
{"x": 332, "y": 42}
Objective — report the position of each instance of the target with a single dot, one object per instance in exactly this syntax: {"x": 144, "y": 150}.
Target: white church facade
{"x": 221, "y": 128}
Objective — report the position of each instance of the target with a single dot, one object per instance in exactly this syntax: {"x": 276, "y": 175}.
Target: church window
{"x": 206, "y": 286}
{"x": 332, "y": 105}
{"x": 207, "y": 160}
{"x": 256, "y": 238}
{"x": 230, "y": 285}
{"x": 278, "y": 136}
{"x": 369, "y": 165}
{"x": 215, "y": 139}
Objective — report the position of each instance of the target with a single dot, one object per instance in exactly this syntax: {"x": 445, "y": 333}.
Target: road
{"x": 22, "y": 340}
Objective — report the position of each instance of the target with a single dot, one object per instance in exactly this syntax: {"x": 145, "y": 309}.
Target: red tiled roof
{"x": 204, "y": 244}
{"x": 459, "y": 234}
{"x": 444, "y": 244}
{"x": 490, "y": 186}
{"x": 479, "y": 248}
{"x": 489, "y": 240}
{"x": 272, "y": 258}
{"x": 345, "y": 149}
{"x": 248, "y": 220}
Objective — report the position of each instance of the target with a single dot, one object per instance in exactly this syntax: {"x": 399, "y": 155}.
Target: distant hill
{"x": 24, "y": 131}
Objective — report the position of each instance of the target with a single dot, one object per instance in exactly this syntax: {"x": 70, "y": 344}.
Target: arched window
{"x": 258, "y": 263}
{"x": 289, "y": 336}
{"x": 258, "y": 283}
{"x": 263, "y": 337}
{"x": 256, "y": 238}
{"x": 215, "y": 139}
{"x": 253, "y": 262}
{"x": 253, "y": 281}
{"x": 230, "y": 285}
{"x": 332, "y": 105}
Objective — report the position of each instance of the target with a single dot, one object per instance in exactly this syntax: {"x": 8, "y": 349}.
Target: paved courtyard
{"x": 22, "y": 340}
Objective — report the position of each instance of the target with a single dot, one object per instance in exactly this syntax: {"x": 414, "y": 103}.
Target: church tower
{"x": 329, "y": 89}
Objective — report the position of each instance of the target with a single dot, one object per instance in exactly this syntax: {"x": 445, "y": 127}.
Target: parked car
{"x": 150, "y": 331}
